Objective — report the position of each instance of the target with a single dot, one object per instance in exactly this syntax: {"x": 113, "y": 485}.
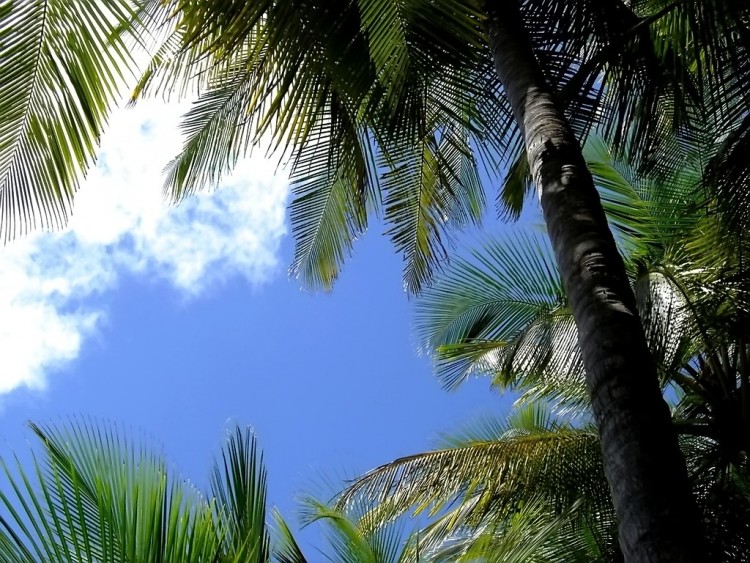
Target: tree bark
{"x": 657, "y": 518}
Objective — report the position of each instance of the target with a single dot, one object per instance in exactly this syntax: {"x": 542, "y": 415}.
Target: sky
{"x": 178, "y": 322}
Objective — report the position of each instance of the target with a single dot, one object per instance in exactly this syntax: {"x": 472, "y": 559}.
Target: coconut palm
{"x": 503, "y": 313}
{"x": 329, "y": 79}
{"x": 353, "y": 89}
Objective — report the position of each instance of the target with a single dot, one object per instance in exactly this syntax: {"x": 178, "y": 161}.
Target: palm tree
{"x": 420, "y": 88}
{"x": 504, "y": 313}
{"x": 414, "y": 78}
{"x": 478, "y": 485}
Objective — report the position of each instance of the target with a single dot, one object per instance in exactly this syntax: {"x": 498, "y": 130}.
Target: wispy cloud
{"x": 121, "y": 224}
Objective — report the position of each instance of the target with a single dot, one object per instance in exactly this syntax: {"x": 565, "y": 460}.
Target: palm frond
{"x": 64, "y": 65}
{"x": 502, "y": 313}
{"x": 350, "y": 537}
{"x": 532, "y": 533}
{"x": 286, "y": 549}
{"x": 94, "y": 497}
{"x": 238, "y": 483}
{"x": 490, "y": 476}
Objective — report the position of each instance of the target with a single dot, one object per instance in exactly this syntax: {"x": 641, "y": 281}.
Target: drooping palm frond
{"x": 286, "y": 548}
{"x": 327, "y": 90}
{"x": 532, "y": 533}
{"x": 489, "y": 475}
{"x": 64, "y": 66}
{"x": 95, "y": 496}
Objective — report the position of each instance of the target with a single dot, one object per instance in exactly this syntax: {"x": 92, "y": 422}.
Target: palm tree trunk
{"x": 657, "y": 519}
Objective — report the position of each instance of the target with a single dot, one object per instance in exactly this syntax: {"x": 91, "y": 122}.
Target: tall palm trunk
{"x": 646, "y": 472}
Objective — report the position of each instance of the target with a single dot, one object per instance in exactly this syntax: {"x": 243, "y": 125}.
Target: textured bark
{"x": 657, "y": 518}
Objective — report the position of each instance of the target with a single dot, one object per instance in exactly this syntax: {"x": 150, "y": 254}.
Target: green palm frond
{"x": 286, "y": 548}
{"x": 238, "y": 483}
{"x": 503, "y": 313}
{"x": 350, "y": 537}
{"x": 64, "y": 66}
{"x": 328, "y": 213}
{"x": 93, "y": 495}
{"x": 427, "y": 191}
{"x": 532, "y": 533}
{"x": 490, "y": 476}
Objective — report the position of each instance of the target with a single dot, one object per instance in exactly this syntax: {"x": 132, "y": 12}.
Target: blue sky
{"x": 178, "y": 322}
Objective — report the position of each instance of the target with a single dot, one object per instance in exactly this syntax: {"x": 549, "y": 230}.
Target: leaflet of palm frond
{"x": 64, "y": 65}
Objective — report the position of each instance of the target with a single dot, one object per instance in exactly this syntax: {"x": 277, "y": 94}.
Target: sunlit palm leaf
{"x": 94, "y": 497}
{"x": 350, "y": 540}
{"x": 532, "y": 533}
{"x": 491, "y": 474}
{"x": 64, "y": 65}
{"x": 238, "y": 483}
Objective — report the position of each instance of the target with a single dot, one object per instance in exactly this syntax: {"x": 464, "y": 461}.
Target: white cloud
{"x": 121, "y": 224}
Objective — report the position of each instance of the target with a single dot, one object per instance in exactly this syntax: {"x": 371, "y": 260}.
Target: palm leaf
{"x": 96, "y": 498}
{"x": 238, "y": 483}
{"x": 64, "y": 65}
{"x": 488, "y": 475}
